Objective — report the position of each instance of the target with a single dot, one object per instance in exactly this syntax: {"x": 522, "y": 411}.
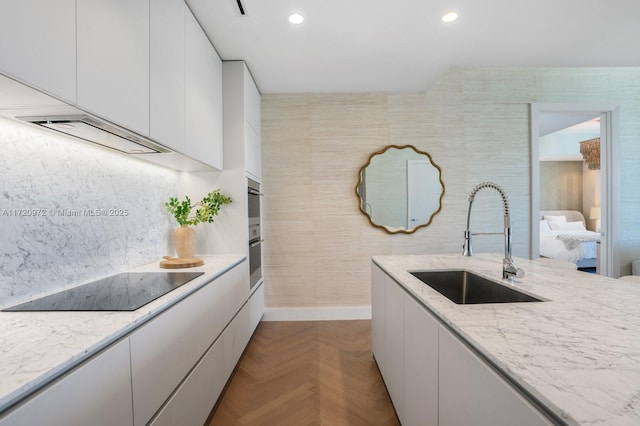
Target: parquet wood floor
{"x": 306, "y": 373}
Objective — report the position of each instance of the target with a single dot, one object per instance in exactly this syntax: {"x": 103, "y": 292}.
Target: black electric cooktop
{"x": 122, "y": 292}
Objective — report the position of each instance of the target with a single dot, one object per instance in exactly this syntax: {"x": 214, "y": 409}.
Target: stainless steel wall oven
{"x": 254, "y": 200}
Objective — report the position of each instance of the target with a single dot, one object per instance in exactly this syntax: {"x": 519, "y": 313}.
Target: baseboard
{"x": 317, "y": 314}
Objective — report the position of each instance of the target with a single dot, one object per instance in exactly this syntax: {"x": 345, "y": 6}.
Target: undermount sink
{"x": 464, "y": 288}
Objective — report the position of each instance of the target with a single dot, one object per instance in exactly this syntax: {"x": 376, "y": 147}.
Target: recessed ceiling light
{"x": 449, "y": 16}
{"x": 296, "y": 18}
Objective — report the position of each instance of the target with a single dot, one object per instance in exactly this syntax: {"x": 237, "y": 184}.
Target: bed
{"x": 563, "y": 236}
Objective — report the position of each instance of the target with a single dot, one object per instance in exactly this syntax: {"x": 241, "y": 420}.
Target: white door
{"x": 423, "y": 199}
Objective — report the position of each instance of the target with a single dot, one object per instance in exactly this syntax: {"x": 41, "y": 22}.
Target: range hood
{"x": 96, "y": 131}
{"x": 22, "y": 103}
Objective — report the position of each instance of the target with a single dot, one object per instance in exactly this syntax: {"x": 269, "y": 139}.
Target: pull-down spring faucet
{"x": 509, "y": 269}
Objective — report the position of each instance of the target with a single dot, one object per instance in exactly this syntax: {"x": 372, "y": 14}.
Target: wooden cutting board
{"x": 177, "y": 263}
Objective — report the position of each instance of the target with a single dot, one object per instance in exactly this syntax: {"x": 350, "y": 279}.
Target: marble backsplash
{"x": 71, "y": 212}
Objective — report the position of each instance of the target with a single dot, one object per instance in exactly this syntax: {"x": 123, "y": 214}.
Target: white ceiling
{"x": 401, "y": 45}
{"x": 552, "y": 122}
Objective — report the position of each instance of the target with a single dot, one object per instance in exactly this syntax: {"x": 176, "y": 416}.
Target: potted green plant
{"x": 205, "y": 211}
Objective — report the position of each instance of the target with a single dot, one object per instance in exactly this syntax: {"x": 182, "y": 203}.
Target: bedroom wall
{"x": 475, "y": 124}
{"x": 561, "y": 185}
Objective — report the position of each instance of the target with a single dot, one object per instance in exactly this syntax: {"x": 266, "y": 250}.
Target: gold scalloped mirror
{"x": 400, "y": 189}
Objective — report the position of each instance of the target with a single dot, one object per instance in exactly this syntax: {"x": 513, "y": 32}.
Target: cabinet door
{"x": 472, "y": 393}
{"x": 235, "y": 290}
{"x": 203, "y": 96}
{"x": 394, "y": 377}
{"x": 256, "y": 308}
{"x": 420, "y": 365}
{"x": 236, "y": 340}
{"x": 253, "y": 138}
{"x": 113, "y": 60}
{"x": 253, "y": 152}
{"x": 166, "y": 103}
{"x": 97, "y": 392}
{"x": 38, "y": 44}
{"x": 251, "y": 101}
{"x": 197, "y": 395}
{"x": 166, "y": 349}
{"x": 378, "y": 316}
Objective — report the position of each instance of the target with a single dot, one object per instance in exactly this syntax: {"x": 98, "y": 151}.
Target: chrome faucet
{"x": 509, "y": 269}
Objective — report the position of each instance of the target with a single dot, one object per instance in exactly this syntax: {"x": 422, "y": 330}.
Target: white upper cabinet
{"x": 113, "y": 60}
{"x": 253, "y": 152}
{"x": 242, "y": 133}
{"x": 38, "y": 44}
{"x": 166, "y": 73}
{"x": 251, "y": 102}
{"x": 203, "y": 96}
{"x": 145, "y": 65}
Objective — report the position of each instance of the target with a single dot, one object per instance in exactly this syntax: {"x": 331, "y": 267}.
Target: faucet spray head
{"x": 467, "y": 249}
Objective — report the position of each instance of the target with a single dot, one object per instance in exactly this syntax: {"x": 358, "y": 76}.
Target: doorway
{"x": 545, "y": 115}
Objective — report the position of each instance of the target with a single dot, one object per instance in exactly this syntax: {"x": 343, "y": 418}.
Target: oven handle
{"x": 254, "y": 243}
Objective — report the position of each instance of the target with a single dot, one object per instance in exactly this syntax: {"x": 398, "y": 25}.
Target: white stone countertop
{"x": 578, "y": 352}
{"x": 37, "y": 347}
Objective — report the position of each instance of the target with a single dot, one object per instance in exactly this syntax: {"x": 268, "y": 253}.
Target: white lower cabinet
{"x": 378, "y": 308}
{"x": 170, "y": 371}
{"x": 420, "y": 365}
{"x": 166, "y": 349}
{"x": 192, "y": 402}
{"x": 236, "y": 340}
{"x": 394, "y": 336}
{"x": 256, "y": 308}
{"x": 194, "y": 399}
{"x": 472, "y": 393}
{"x": 98, "y": 392}
{"x": 432, "y": 377}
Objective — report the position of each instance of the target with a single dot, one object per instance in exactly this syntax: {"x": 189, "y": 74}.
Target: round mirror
{"x": 400, "y": 189}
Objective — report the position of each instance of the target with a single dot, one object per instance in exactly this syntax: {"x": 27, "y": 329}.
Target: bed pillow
{"x": 544, "y": 226}
{"x": 567, "y": 226}
{"x": 552, "y": 219}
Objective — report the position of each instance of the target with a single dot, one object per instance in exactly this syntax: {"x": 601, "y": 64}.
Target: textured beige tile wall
{"x": 474, "y": 123}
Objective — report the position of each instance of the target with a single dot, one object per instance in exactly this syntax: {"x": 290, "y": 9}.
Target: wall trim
{"x": 317, "y": 314}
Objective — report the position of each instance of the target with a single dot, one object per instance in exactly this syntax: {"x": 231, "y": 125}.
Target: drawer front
{"x": 197, "y": 395}
{"x": 165, "y": 350}
{"x": 235, "y": 292}
{"x": 256, "y": 308}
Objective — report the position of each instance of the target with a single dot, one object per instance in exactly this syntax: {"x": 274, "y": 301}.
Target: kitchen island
{"x": 574, "y": 356}
{"x": 39, "y": 350}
